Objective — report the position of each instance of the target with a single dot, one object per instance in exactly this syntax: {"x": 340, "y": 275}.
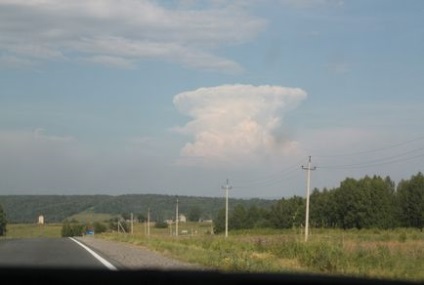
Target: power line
{"x": 270, "y": 178}
{"x": 381, "y": 161}
{"x": 371, "y": 150}
{"x": 285, "y": 177}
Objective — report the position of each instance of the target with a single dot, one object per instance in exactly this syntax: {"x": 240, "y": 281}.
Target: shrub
{"x": 3, "y": 222}
{"x": 116, "y": 223}
{"x": 71, "y": 229}
{"x": 99, "y": 227}
{"x": 161, "y": 225}
{"x": 402, "y": 237}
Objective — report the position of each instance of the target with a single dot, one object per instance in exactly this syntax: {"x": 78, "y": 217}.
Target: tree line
{"x": 3, "y": 222}
{"x": 369, "y": 202}
{"x": 57, "y": 208}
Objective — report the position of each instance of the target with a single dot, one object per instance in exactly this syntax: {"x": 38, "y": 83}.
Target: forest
{"x": 57, "y": 208}
{"x": 369, "y": 202}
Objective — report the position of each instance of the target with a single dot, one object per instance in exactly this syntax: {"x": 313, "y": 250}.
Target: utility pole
{"x": 148, "y": 222}
{"x": 226, "y": 188}
{"x": 176, "y": 219}
{"x": 308, "y": 186}
{"x": 132, "y": 223}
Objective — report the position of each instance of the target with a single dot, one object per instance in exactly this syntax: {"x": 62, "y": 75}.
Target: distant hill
{"x": 56, "y": 208}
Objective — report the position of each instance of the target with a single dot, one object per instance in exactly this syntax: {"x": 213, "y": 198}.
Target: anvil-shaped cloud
{"x": 236, "y": 123}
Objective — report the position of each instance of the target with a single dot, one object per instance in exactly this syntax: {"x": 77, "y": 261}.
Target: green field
{"x": 392, "y": 254}
{"x": 386, "y": 254}
{"x": 33, "y": 230}
{"x": 90, "y": 217}
{"x": 26, "y": 230}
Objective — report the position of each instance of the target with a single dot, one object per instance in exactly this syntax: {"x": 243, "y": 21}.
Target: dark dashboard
{"x": 30, "y": 276}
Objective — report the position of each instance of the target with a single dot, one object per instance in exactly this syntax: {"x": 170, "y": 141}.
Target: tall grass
{"x": 395, "y": 254}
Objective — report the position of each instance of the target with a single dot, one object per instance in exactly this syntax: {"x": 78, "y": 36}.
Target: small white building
{"x": 41, "y": 220}
{"x": 182, "y": 219}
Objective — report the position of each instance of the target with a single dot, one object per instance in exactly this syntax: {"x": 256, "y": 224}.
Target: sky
{"x": 174, "y": 97}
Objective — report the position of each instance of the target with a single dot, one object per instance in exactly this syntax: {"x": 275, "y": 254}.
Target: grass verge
{"x": 396, "y": 254}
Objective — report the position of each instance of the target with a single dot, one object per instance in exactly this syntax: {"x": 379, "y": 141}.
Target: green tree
{"x": 381, "y": 211}
{"x": 366, "y": 203}
{"x": 126, "y": 216}
{"x": 141, "y": 218}
{"x": 238, "y": 218}
{"x": 161, "y": 224}
{"x": 194, "y": 214}
{"x": 352, "y": 204}
{"x": 99, "y": 227}
{"x": 323, "y": 209}
{"x": 219, "y": 221}
{"x": 71, "y": 229}
{"x": 3, "y": 222}
{"x": 410, "y": 195}
{"x": 257, "y": 217}
{"x": 288, "y": 213}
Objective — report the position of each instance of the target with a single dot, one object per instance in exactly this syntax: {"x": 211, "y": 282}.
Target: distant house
{"x": 41, "y": 220}
{"x": 182, "y": 219}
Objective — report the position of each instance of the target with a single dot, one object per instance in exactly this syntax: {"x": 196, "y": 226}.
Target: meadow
{"x": 33, "y": 231}
{"x": 386, "y": 254}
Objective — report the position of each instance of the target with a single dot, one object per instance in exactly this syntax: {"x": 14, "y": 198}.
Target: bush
{"x": 116, "y": 224}
{"x": 99, "y": 227}
{"x": 324, "y": 257}
{"x": 161, "y": 225}
{"x": 3, "y": 222}
{"x": 402, "y": 237}
{"x": 71, "y": 229}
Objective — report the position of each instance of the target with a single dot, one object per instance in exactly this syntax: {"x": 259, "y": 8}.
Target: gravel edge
{"x": 129, "y": 256}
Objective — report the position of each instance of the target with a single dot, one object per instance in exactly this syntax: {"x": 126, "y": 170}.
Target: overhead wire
{"x": 290, "y": 172}
{"x": 385, "y": 160}
{"x": 269, "y": 178}
{"x": 371, "y": 150}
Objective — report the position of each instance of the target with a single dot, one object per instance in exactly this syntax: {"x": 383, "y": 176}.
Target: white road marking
{"x": 106, "y": 263}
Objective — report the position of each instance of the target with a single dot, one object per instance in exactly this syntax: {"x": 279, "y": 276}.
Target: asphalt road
{"x": 46, "y": 253}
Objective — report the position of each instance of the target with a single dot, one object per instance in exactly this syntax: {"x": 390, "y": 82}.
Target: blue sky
{"x": 173, "y": 97}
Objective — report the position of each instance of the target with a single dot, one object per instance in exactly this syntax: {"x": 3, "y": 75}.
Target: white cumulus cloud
{"x": 236, "y": 123}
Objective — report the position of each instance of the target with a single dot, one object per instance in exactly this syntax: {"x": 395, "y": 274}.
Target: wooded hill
{"x": 56, "y": 208}
{"x": 368, "y": 202}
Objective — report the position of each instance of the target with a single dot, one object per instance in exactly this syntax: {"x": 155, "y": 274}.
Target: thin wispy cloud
{"x": 111, "y": 61}
{"x": 14, "y": 62}
{"x": 307, "y": 4}
{"x": 121, "y": 33}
